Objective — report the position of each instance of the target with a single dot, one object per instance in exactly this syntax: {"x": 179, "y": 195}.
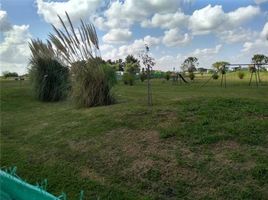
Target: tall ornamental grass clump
{"x": 49, "y": 78}
{"x": 91, "y": 81}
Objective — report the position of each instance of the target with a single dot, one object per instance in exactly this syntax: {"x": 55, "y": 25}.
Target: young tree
{"x": 221, "y": 66}
{"x": 148, "y": 62}
{"x": 190, "y": 64}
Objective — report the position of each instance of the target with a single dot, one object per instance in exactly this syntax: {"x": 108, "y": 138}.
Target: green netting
{"x": 13, "y": 188}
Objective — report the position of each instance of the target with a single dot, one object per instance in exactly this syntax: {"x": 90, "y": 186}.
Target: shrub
{"x": 49, "y": 78}
{"x": 191, "y": 76}
{"x": 142, "y": 77}
{"x": 167, "y": 76}
{"x": 128, "y": 79}
{"x": 92, "y": 83}
{"x": 241, "y": 75}
{"x": 215, "y": 76}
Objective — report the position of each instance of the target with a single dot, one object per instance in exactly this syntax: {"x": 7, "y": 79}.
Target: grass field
{"x": 195, "y": 143}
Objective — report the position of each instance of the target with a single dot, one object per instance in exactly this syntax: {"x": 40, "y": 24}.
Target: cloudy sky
{"x": 174, "y": 29}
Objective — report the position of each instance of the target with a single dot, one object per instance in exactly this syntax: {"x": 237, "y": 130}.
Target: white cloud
{"x": 135, "y": 48}
{"x": 207, "y": 51}
{"x": 260, "y": 1}
{"x": 4, "y": 23}
{"x": 258, "y": 46}
{"x": 14, "y": 50}
{"x": 207, "y": 19}
{"x": 125, "y": 13}
{"x": 237, "y": 35}
{"x": 213, "y": 18}
{"x": 174, "y": 37}
{"x": 76, "y": 9}
{"x": 168, "y": 62}
{"x": 242, "y": 15}
{"x": 264, "y": 32}
{"x": 105, "y": 47}
{"x": 117, "y": 36}
{"x": 168, "y": 20}
{"x": 207, "y": 56}
{"x": 151, "y": 41}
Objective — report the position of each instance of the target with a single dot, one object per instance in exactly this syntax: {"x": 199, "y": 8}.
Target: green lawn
{"x": 195, "y": 143}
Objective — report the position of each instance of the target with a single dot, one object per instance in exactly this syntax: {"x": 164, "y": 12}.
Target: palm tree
{"x": 221, "y": 67}
{"x": 259, "y": 59}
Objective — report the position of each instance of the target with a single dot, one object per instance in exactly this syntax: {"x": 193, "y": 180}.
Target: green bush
{"x": 241, "y": 74}
{"x": 128, "y": 79}
{"x": 92, "y": 84}
{"x": 167, "y": 76}
{"x": 215, "y": 76}
{"x": 142, "y": 77}
{"x": 191, "y": 76}
{"x": 50, "y": 79}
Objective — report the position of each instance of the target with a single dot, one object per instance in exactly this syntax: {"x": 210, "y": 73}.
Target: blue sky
{"x": 210, "y": 30}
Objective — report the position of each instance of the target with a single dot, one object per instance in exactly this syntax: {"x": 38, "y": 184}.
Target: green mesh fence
{"x": 14, "y": 188}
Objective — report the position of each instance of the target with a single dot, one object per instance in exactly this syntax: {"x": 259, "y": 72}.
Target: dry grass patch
{"x": 136, "y": 158}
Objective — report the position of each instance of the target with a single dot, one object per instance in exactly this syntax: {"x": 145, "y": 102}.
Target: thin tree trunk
{"x": 221, "y": 79}
{"x": 259, "y": 73}
{"x": 250, "y": 78}
{"x": 256, "y": 79}
{"x": 149, "y": 87}
{"x": 225, "y": 80}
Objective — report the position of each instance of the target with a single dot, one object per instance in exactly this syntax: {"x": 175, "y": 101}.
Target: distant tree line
{"x": 8, "y": 74}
